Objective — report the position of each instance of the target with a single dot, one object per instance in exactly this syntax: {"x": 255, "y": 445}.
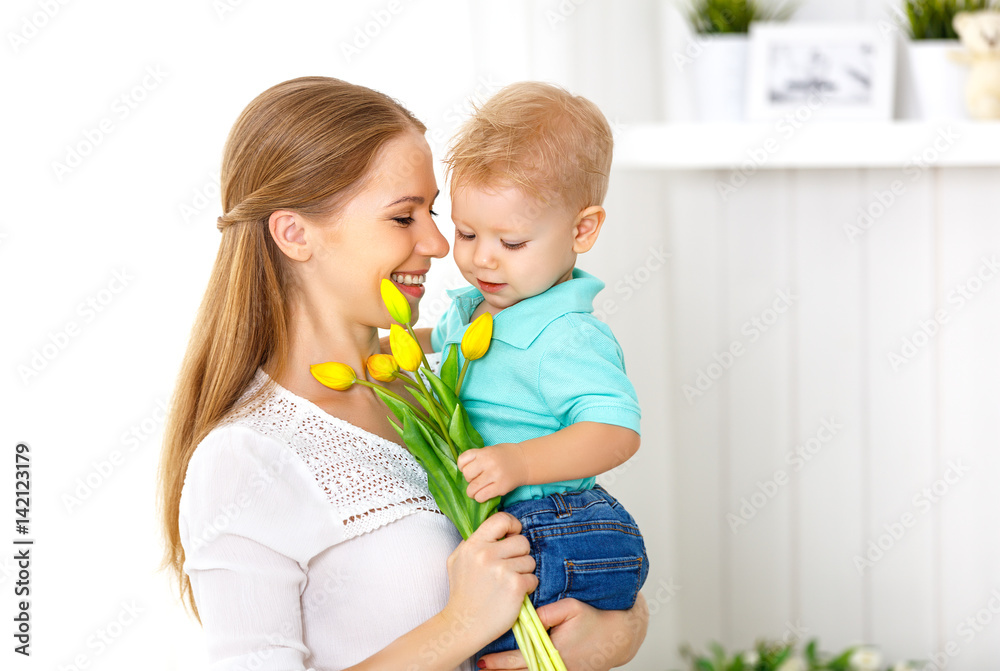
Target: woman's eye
{"x": 462, "y": 236}
{"x": 515, "y": 245}
{"x": 433, "y": 213}
{"x": 403, "y": 221}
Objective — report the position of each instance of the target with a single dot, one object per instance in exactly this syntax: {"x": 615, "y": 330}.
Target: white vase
{"x": 931, "y": 85}
{"x": 716, "y": 76}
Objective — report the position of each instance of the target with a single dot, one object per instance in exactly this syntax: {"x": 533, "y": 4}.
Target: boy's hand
{"x": 494, "y": 470}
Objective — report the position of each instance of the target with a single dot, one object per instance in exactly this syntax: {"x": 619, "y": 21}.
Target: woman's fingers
{"x": 498, "y": 526}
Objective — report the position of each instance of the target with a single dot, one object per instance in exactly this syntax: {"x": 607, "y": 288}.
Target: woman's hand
{"x": 588, "y": 639}
{"x": 488, "y": 575}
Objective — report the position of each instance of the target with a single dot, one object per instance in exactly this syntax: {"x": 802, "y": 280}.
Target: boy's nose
{"x": 485, "y": 258}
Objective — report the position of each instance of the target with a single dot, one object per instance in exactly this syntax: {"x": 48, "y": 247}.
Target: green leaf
{"x": 474, "y": 437}
{"x": 782, "y": 656}
{"x": 840, "y": 662}
{"x": 461, "y": 432}
{"x": 719, "y": 653}
{"x": 398, "y": 408}
{"x": 703, "y": 664}
{"x": 811, "y": 653}
{"x": 445, "y": 395}
{"x": 421, "y": 399}
{"x": 398, "y": 428}
{"x": 449, "y": 369}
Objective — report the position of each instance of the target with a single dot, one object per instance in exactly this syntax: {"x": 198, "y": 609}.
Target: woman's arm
{"x": 488, "y": 574}
{"x": 588, "y": 639}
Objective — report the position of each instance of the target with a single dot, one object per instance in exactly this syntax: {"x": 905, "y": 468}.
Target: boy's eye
{"x": 462, "y": 236}
{"x": 513, "y": 245}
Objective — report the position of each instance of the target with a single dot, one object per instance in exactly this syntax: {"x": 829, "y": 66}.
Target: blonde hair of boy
{"x": 552, "y": 145}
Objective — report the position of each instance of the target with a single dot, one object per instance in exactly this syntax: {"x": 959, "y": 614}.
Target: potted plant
{"x": 779, "y": 656}
{"x": 932, "y": 86}
{"x": 715, "y": 58}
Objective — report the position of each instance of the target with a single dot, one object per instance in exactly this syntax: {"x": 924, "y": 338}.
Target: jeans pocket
{"x": 608, "y": 584}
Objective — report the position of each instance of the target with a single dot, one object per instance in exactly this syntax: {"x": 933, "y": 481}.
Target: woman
{"x": 301, "y": 532}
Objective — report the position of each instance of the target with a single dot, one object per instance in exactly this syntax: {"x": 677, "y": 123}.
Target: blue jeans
{"x": 586, "y": 546}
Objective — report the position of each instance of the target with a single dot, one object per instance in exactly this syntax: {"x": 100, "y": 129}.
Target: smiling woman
{"x": 302, "y": 535}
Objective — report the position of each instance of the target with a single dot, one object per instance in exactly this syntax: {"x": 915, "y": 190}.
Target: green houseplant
{"x": 733, "y": 16}
{"x": 714, "y": 61}
{"x": 932, "y": 19}
{"x": 932, "y": 85}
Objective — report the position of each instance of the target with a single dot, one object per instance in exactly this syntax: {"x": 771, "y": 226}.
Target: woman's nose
{"x": 431, "y": 243}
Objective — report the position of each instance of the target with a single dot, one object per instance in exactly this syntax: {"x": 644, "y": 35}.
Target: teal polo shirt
{"x": 551, "y": 363}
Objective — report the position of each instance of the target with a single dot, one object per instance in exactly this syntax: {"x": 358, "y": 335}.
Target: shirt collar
{"x": 521, "y": 323}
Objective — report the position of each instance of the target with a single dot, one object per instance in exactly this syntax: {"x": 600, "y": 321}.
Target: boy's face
{"x": 510, "y": 246}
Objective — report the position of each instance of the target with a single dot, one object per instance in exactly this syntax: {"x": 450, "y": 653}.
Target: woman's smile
{"x": 410, "y": 283}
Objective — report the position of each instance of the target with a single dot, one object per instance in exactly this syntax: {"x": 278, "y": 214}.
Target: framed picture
{"x": 822, "y": 71}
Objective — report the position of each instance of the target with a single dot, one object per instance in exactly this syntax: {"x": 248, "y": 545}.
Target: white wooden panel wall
{"x": 899, "y": 428}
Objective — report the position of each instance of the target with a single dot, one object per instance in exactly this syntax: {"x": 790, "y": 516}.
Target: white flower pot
{"x": 716, "y": 76}
{"x": 931, "y": 85}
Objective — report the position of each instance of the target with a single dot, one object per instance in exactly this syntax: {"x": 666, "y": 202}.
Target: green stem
{"x": 538, "y": 648}
{"x": 524, "y": 646}
{"x": 419, "y": 411}
{"x": 528, "y": 610}
{"x": 438, "y": 414}
{"x": 461, "y": 376}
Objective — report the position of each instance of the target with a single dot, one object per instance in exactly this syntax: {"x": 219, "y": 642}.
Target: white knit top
{"x": 310, "y": 543}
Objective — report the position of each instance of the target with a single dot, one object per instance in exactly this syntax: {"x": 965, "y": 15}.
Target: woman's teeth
{"x": 410, "y": 280}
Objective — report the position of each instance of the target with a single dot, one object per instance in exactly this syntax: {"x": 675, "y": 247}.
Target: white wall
{"x": 142, "y": 205}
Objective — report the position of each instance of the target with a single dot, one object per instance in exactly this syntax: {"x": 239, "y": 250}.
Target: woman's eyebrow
{"x": 419, "y": 200}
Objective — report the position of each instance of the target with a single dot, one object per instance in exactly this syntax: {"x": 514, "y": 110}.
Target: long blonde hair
{"x": 300, "y": 145}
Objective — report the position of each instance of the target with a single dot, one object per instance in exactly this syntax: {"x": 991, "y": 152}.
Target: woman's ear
{"x": 587, "y": 227}
{"x": 289, "y": 234}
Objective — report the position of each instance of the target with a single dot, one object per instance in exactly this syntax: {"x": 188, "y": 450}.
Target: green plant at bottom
{"x": 777, "y": 656}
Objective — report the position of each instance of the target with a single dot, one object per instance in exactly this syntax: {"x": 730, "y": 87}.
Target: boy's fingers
{"x": 465, "y": 458}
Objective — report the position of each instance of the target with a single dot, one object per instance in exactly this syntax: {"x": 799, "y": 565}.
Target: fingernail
{"x": 481, "y": 664}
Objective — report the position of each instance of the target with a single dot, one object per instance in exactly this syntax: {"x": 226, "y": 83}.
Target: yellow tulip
{"x": 395, "y": 301}
{"x": 334, "y": 375}
{"x": 476, "y": 340}
{"x": 404, "y": 348}
{"x": 382, "y": 367}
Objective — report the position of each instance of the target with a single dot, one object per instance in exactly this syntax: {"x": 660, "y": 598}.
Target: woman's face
{"x": 385, "y": 231}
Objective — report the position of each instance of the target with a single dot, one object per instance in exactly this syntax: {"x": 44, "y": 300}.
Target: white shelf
{"x": 761, "y": 146}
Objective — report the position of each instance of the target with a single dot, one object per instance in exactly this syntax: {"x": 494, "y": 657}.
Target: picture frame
{"x": 820, "y": 71}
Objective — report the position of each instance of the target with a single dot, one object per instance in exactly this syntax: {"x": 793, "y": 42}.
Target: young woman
{"x": 301, "y": 532}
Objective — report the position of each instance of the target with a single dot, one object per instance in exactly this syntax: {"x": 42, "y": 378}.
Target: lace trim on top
{"x": 370, "y": 481}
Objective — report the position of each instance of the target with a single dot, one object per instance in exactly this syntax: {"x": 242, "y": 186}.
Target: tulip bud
{"x": 334, "y": 375}
{"x": 404, "y": 348}
{"x": 395, "y": 302}
{"x": 382, "y": 367}
{"x": 476, "y": 340}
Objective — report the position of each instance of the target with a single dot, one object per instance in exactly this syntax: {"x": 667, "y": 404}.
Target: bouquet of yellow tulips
{"x": 436, "y": 429}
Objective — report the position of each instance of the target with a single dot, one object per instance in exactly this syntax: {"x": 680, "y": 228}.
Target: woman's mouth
{"x": 490, "y": 287}
{"x": 410, "y": 284}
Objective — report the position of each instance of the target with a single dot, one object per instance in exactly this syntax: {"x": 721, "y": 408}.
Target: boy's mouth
{"x": 411, "y": 284}
{"x": 490, "y": 287}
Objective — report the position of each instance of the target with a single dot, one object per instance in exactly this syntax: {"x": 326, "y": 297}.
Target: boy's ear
{"x": 288, "y": 233}
{"x": 587, "y": 227}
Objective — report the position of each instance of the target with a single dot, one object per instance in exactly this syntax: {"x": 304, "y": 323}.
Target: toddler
{"x": 551, "y": 399}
